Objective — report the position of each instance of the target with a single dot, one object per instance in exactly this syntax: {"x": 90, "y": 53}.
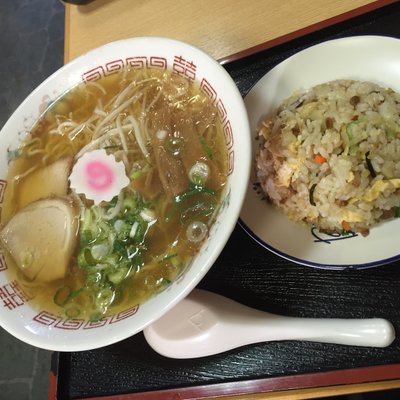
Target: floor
{"x": 31, "y": 48}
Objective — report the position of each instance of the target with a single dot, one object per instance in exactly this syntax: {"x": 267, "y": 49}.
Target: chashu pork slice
{"x": 42, "y": 237}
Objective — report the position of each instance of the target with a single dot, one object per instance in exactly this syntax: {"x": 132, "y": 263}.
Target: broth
{"x": 170, "y": 140}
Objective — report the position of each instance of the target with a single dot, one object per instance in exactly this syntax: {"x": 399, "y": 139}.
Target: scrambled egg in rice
{"x": 330, "y": 156}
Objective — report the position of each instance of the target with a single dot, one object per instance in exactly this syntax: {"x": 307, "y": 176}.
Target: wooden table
{"x": 227, "y": 30}
{"x": 222, "y": 28}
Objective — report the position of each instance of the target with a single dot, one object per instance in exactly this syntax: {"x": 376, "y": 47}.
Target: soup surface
{"x": 168, "y": 137}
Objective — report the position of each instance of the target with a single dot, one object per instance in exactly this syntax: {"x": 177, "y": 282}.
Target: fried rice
{"x": 330, "y": 156}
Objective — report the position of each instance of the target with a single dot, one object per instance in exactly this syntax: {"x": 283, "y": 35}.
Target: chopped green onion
{"x": 85, "y": 258}
{"x": 391, "y": 133}
{"x": 83, "y": 297}
{"x": 169, "y": 257}
{"x": 136, "y": 174}
{"x": 140, "y": 232}
{"x": 87, "y": 220}
{"x": 112, "y": 238}
{"x": 99, "y": 251}
{"x": 86, "y": 237}
{"x": 171, "y": 213}
{"x": 62, "y": 296}
{"x": 206, "y": 148}
{"x": 93, "y": 278}
{"x": 113, "y": 202}
{"x": 104, "y": 299}
{"x": 129, "y": 203}
{"x": 352, "y": 137}
{"x": 119, "y": 247}
{"x": 72, "y": 312}
{"x": 193, "y": 189}
{"x": 117, "y": 276}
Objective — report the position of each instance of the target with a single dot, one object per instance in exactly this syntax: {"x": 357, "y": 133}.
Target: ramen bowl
{"x": 41, "y": 326}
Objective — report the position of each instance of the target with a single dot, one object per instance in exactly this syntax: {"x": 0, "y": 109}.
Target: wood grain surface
{"x": 219, "y": 27}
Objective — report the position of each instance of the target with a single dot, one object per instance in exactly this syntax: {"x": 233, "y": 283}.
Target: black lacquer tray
{"x": 252, "y": 275}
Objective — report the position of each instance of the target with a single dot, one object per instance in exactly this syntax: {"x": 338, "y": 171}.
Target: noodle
{"x": 135, "y": 245}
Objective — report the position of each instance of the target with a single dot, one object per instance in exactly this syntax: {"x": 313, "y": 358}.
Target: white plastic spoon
{"x": 205, "y": 323}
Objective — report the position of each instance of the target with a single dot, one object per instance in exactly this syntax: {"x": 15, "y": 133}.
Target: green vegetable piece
{"x": 104, "y": 299}
{"x": 391, "y": 133}
{"x": 86, "y": 237}
{"x": 136, "y": 174}
{"x": 113, "y": 202}
{"x": 118, "y": 276}
{"x": 129, "y": 203}
{"x": 120, "y": 247}
{"x": 72, "y": 312}
{"x": 85, "y": 258}
{"x": 194, "y": 189}
{"x": 84, "y": 297}
{"x": 141, "y": 230}
{"x": 169, "y": 257}
{"x": 93, "y": 278}
{"x": 137, "y": 261}
{"x": 112, "y": 259}
{"x": 352, "y": 137}
{"x": 201, "y": 189}
{"x": 62, "y": 296}
{"x": 171, "y": 213}
{"x": 206, "y": 148}
{"x": 124, "y": 231}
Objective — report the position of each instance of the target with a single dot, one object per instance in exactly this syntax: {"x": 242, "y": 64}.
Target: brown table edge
{"x": 346, "y": 381}
{"x": 262, "y": 46}
{"x": 309, "y": 29}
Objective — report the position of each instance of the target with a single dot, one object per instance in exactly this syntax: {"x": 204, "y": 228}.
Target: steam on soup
{"x": 81, "y": 259}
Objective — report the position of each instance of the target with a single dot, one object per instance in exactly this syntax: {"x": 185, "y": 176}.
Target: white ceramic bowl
{"x": 41, "y": 328}
{"x": 310, "y": 67}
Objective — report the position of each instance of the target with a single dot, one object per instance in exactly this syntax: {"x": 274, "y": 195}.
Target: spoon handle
{"x": 262, "y": 326}
{"x": 374, "y": 332}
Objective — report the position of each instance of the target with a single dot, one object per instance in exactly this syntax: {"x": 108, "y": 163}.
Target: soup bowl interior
{"x": 42, "y": 327}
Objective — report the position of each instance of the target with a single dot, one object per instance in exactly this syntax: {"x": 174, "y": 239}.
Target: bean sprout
{"x": 138, "y": 135}
{"x": 121, "y": 133}
{"x": 113, "y": 114}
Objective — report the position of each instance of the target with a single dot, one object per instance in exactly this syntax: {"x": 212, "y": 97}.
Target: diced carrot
{"x": 346, "y": 226}
{"x": 319, "y": 159}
